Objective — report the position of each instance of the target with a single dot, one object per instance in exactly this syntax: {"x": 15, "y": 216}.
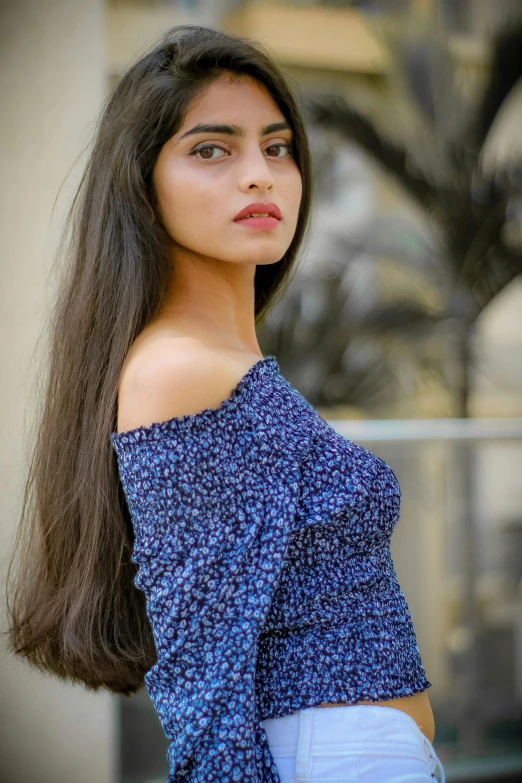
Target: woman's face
{"x": 204, "y": 178}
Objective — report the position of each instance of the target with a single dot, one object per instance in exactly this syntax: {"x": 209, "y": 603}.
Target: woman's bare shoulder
{"x": 167, "y": 377}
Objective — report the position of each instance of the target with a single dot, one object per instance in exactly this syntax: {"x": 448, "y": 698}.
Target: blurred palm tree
{"x": 460, "y": 161}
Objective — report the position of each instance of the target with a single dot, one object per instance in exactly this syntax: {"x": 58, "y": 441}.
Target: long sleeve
{"x": 213, "y": 499}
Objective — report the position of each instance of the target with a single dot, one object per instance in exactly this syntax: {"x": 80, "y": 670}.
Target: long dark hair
{"x": 74, "y": 610}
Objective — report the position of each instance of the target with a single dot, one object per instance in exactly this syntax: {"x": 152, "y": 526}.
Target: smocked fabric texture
{"x": 262, "y": 539}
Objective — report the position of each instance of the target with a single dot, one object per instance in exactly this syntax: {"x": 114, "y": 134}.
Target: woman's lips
{"x": 259, "y": 222}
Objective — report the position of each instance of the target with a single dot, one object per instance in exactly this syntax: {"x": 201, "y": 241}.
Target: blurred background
{"x": 402, "y": 325}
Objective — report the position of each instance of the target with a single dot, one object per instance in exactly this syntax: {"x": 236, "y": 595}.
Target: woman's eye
{"x": 283, "y": 145}
{"x": 211, "y": 147}
{"x": 207, "y": 147}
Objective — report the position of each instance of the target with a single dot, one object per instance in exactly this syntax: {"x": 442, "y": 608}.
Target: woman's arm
{"x": 213, "y": 500}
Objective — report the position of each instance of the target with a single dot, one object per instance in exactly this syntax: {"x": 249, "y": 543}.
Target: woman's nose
{"x": 256, "y": 171}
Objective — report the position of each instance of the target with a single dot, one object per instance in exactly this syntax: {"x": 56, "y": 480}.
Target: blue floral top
{"x": 262, "y": 539}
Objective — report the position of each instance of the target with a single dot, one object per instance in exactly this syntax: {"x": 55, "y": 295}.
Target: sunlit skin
{"x": 202, "y": 180}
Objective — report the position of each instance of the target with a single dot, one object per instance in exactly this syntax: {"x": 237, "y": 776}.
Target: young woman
{"x": 196, "y": 525}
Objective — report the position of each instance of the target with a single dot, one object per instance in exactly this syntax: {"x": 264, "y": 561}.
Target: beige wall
{"x": 51, "y": 87}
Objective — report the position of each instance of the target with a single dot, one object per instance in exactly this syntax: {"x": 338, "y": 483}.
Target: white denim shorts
{"x": 356, "y": 743}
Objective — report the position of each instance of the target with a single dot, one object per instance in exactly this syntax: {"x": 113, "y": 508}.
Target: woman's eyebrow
{"x": 233, "y": 130}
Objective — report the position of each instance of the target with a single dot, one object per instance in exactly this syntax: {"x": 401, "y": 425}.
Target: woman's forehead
{"x": 245, "y": 103}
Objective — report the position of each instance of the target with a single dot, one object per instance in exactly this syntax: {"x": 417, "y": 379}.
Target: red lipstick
{"x": 269, "y": 209}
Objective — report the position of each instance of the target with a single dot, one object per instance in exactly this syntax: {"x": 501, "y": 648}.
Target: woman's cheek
{"x": 192, "y": 229}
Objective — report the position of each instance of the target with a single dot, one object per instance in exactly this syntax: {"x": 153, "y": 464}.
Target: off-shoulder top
{"x": 262, "y": 539}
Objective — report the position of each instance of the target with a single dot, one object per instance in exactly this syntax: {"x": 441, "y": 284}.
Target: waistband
{"x": 354, "y": 729}
{"x": 373, "y": 725}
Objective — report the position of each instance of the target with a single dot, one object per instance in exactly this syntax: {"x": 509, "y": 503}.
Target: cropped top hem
{"x": 262, "y": 546}
{"x": 337, "y": 693}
